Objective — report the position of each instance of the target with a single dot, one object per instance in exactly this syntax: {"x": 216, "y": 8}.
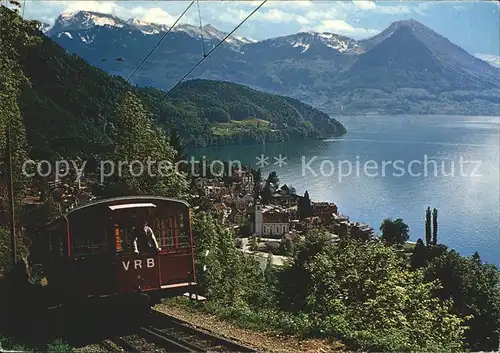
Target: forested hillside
{"x": 55, "y": 105}
{"x": 67, "y": 107}
{"x": 236, "y": 114}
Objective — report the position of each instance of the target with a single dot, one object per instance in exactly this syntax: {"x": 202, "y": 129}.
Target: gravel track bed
{"x": 185, "y": 335}
{"x": 260, "y": 341}
{"x": 93, "y": 348}
{"x": 142, "y": 344}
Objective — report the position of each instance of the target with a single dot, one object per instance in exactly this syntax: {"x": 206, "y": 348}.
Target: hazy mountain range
{"x": 406, "y": 69}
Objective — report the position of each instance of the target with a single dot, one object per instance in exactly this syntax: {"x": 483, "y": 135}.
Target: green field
{"x": 236, "y": 126}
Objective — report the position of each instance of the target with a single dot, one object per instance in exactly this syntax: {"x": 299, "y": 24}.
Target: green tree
{"x": 14, "y": 39}
{"x": 217, "y": 114}
{"x": 144, "y": 155}
{"x": 289, "y": 247}
{"x": 257, "y": 180}
{"x": 304, "y": 207}
{"x": 475, "y": 290}
{"x": 434, "y": 226}
{"x": 428, "y": 226}
{"x": 394, "y": 232}
{"x": 266, "y": 194}
{"x": 269, "y": 262}
{"x": 273, "y": 179}
{"x": 178, "y": 145}
{"x": 376, "y": 303}
{"x": 418, "y": 258}
{"x": 226, "y": 275}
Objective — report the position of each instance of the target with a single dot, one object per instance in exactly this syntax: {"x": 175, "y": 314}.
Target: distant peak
{"x": 409, "y": 21}
{"x": 82, "y": 12}
{"x": 81, "y": 20}
{"x": 135, "y": 21}
{"x": 412, "y": 23}
{"x": 210, "y": 27}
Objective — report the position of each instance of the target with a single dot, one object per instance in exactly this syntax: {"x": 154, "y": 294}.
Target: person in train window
{"x": 144, "y": 235}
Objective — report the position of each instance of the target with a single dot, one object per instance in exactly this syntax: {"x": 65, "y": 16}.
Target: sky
{"x": 472, "y": 25}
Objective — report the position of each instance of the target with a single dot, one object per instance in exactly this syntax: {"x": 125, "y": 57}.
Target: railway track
{"x": 206, "y": 341}
{"x": 147, "y": 340}
{"x": 168, "y": 334}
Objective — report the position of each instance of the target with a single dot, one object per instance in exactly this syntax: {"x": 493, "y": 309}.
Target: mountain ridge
{"x": 363, "y": 43}
{"x": 79, "y": 20}
{"x": 321, "y": 69}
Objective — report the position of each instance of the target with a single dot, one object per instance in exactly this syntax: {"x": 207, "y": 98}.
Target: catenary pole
{"x": 11, "y": 198}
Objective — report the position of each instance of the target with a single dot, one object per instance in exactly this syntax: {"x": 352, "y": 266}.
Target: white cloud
{"x": 394, "y": 10}
{"x": 489, "y": 58}
{"x": 311, "y": 18}
{"x": 153, "y": 15}
{"x": 286, "y": 4}
{"x": 364, "y": 5}
{"x": 233, "y": 16}
{"x": 275, "y": 15}
{"x": 343, "y": 28}
{"x": 383, "y": 8}
{"x": 96, "y": 6}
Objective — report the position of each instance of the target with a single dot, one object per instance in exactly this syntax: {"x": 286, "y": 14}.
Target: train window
{"x": 170, "y": 231}
{"x": 86, "y": 238}
{"x": 123, "y": 238}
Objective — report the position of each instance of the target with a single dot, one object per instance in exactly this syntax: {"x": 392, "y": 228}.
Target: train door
{"x": 89, "y": 266}
{"x": 134, "y": 272}
{"x": 174, "y": 237}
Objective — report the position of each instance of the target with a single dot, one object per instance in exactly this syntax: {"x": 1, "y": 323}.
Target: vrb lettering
{"x": 150, "y": 263}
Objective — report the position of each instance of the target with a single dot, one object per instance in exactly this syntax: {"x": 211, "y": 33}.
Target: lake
{"x": 396, "y": 167}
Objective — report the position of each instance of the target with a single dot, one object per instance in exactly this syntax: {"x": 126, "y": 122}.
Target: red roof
{"x": 275, "y": 217}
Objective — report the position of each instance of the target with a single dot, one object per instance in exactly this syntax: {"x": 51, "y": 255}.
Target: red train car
{"x": 90, "y": 252}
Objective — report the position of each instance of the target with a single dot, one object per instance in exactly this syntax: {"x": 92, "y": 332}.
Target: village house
{"x": 270, "y": 223}
{"x": 312, "y": 222}
{"x": 284, "y": 199}
{"x": 324, "y": 210}
{"x": 342, "y": 228}
{"x": 360, "y": 231}
{"x": 244, "y": 200}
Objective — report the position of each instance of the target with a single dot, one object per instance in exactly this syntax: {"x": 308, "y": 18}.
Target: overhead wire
{"x": 210, "y": 52}
{"x": 201, "y": 28}
{"x": 159, "y": 42}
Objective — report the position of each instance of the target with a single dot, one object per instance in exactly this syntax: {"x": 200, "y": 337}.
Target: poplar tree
{"x": 428, "y": 226}
{"x": 434, "y": 226}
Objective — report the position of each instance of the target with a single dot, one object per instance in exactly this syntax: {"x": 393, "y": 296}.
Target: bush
{"x": 59, "y": 346}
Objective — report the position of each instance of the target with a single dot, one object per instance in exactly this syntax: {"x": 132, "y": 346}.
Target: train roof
{"x": 126, "y": 198}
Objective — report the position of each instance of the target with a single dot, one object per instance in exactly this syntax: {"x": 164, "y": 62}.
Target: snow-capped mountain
{"x": 85, "y": 20}
{"x": 308, "y": 40}
{"x": 407, "y": 62}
